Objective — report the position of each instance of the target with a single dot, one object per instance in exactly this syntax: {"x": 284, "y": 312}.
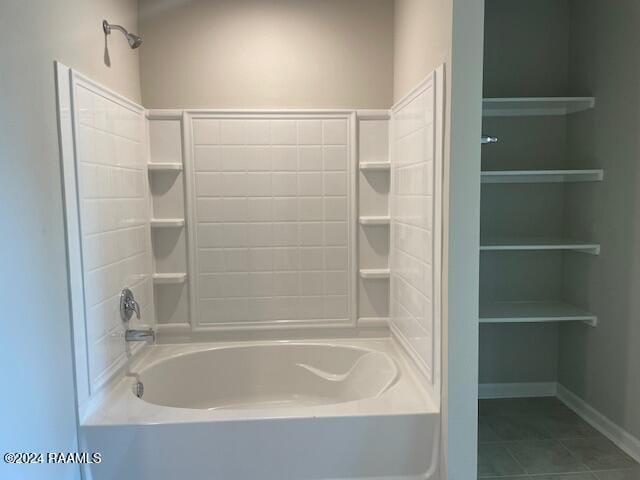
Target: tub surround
{"x": 252, "y": 231}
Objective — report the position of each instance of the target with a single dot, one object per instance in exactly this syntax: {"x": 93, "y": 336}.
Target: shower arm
{"x": 134, "y": 40}
{"x": 107, "y": 27}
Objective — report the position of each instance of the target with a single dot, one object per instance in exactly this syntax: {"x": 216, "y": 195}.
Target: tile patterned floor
{"x": 542, "y": 439}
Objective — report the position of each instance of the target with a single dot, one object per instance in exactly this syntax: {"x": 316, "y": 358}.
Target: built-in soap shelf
{"x": 375, "y": 166}
{"x": 534, "y": 312}
{"x": 167, "y": 222}
{"x": 375, "y": 220}
{"x": 542, "y": 176}
{"x": 169, "y": 278}
{"x": 375, "y": 273}
{"x": 164, "y": 167}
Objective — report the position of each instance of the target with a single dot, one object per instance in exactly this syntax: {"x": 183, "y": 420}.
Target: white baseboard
{"x": 623, "y": 439}
{"x": 514, "y": 390}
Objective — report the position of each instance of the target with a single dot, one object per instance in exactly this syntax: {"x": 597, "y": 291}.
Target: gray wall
{"x": 460, "y": 333}
{"x": 602, "y": 365}
{"x": 526, "y": 54}
{"x": 267, "y": 53}
{"x": 37, "y": 405}
{"x": 428, "y": 33}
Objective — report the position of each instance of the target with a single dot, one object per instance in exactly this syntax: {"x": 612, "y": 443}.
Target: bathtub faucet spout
{"x": 140, "y": 335}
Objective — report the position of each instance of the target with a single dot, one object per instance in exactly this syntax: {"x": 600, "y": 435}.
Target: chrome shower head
{"x": 134, "y": 40}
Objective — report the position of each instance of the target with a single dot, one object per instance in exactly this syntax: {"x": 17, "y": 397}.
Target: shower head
{"x": 134, "y": 40}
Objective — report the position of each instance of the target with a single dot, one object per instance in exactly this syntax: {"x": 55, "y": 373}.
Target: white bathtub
{"x": 268, "y": 410}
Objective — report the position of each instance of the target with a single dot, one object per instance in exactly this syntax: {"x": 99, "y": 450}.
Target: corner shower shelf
{"x": 374, "y": 273}
{"x": 169, "y": 278}
{"x": 538, "y": 243}
{"x": 541, "y": 176}
{"x": 533, "y": 106}
{"x": 375, "y": 166}
{"x": 375, "y": 220}
{"x": 164, "y": 167}
{"x": 167, "y": 222}
{"x": 534, "y": 312}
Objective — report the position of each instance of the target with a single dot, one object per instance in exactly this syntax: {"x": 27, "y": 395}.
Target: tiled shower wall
{"x": 113, "y": 206}
{"x": 416, "y": 227}
{"x": 272, "y": 214}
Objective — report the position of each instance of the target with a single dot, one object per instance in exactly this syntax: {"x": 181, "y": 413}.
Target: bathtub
{"x": 276, "y": 410}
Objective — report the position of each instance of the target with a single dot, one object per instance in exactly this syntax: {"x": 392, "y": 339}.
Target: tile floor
{"x": 542, "y": 439}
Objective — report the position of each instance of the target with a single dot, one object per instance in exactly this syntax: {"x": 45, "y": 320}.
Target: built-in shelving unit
{"x": 375, "y": 220}
{"x": 374, "y": 273}
{"x": 534, "y": 312}
{"x": 168, "y": 232}
{"x": 542, "y": 176}
{"x": 169, "y": 278}
{"x": 538, "y": 243}
{"x": 534, "y": 106}
{"x": 167, "y": 222}
{"x": 164, "y": 167}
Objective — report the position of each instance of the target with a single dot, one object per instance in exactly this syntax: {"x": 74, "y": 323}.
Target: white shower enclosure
{"x": 291, "y": 264}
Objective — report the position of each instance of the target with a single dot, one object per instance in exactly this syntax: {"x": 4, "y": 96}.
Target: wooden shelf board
{"x": 534, "y": 312}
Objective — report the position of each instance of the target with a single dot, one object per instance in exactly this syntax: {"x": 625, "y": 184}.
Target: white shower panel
{"x": 416, "y": 225}
{"x": 114, "y": 211}
{"x": 271, "y": 205}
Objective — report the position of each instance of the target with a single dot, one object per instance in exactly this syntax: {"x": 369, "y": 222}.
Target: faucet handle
{"x": 128, "y": 305}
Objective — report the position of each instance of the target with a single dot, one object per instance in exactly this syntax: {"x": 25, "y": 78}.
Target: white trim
{"x": 164, "y": 114}
{"x": 352, "y": 222}
{"x": 72, "y": 233}
{"x": 370, "y": 114}
{"x": 417, "y": 90}
{"x": 79, "y": 78}
{"x": 515, "y": 390}
{"x": 311, "y": 112}
{"x": 623, "y": 439}
{"x": 439, "y": 86}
